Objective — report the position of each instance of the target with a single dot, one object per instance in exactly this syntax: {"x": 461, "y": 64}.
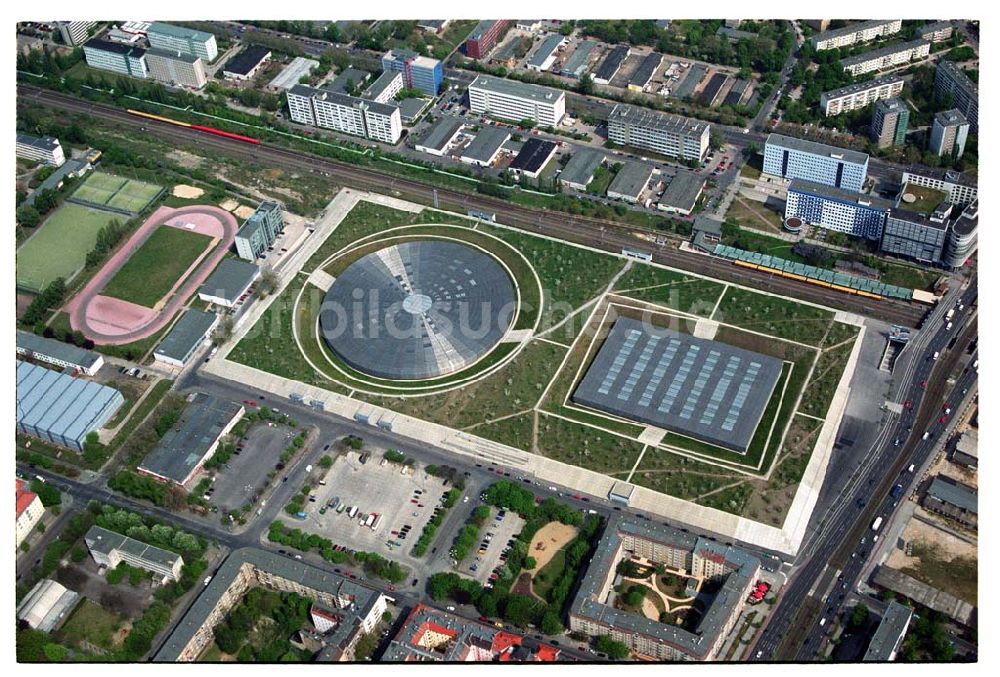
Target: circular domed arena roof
{"x": 418, "y": 309}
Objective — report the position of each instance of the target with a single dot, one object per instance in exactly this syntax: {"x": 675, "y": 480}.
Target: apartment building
{"x": 260, "y": 230}
{"x": 793, "y": 158}
{"x": 949, "y": 78}
{"x": 346, "y": 114}
{"x": 75, "y": 32}
{"x": 109, "y": 548}
{"x": 28, "y": 509}
{"x": 516, "y": 101}
{"x": 44, "y": 149}
{"x": 176, "y": 68}
{"x": 890, "y": 120}
{"x": 484, "y": 37}
{"x": 184, "y": 40}
{"x": 384, "y": 88}
{"x": 116, "y": 57}
{"x": 939, "y": 31}
{"x": 859, "y": 95}
{"x": 734, "y": 569}
{"x": 836, "y": 209}
{"x": 949, "y": 133}
{"x": 670, "y": 135}
{"x": 419, "y": 72}
{"x": 887, "y": 57}
{"x": 855, "y": 33}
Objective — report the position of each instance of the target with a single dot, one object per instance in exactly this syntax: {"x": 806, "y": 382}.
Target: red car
{"x": 945, "y": 407}
{"x": 908, "y": 404}
{"x": 392, "y": 588}
{"x": 923, "y": 384}
{"x": 483, "y": 619}
{"x": 576, "y": 497}
{"x": 944, "y": 419}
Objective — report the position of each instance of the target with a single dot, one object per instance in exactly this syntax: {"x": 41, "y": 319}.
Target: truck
{"x": 370, "y": 519}
{"x": 937, "y": 354}
{"x": 353, "y": 511}
{"x": 377, "y": 522}
{"x": 950, "y": 314}
{"x": 309, "y": 468}
{"x": 897, "y": 491}
{"x": 876, "y": 524}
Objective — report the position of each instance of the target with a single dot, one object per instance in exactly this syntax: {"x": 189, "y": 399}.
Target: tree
{"x": 326, "y": 461}
{"x": 268, "y": 282}
{"x": 27, "y": 216}
{"x": 859, "y": 615}
{"x": 551, "y": 625}
{"x": 613, "y": 648}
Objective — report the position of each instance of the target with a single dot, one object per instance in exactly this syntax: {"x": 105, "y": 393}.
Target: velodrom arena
{"x": 418, "y": 309}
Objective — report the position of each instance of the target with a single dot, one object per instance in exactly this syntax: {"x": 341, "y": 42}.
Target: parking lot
{"x": 246, "y": 472}
{"x": 496, "y": 535}
{"x": 404, "y": 502}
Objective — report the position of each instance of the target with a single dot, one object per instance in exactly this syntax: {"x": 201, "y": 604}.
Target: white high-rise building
{"x": 184, "y": 40}
{"x": 516, "y": 101}
{"x": 683, "y": 138}
{"x": 45, "y": 149}
{"x": 343, "y": 113}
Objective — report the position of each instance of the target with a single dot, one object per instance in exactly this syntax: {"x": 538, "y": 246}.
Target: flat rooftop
{"x": 545, "y": 49}
{"x": 523, "y": 90}
{"x": 582, "y": 165}
{"x": 703, "y": 389}
{"x": 884, "y": 51}
{"x": 631, "y": 179}
{"x": 851, "y": 28}
{"x": 954, "y": 493}
{"x": 488, "y": 141}
{"x": 441, "y": 133}
{"x": 862, "y": 87}
{"x": 172, "y": 55}
{"x": 247, "y": 60}
{"x": 839, "y": 194}
{"x": 816, "y": 148}
{"x": 61, "y": 405}
{"x": 613, "y": 60}
{"x": 178, "y": 32}
{"x": 185, "y": 445}
{"x": 65, "y": 352}
{"x": 645, "y": 71}
{"x": 46, "y": 143}
{"x": 533, "y": 156}
{"x": 950, "y": 118}
{"x": 683, "y": 190}
{"x": 357, "y": 77}
{"x": 647, "y": 119}
{"x": 890, "y": 631}
{"x": 230, "y": 279}
{"x": 189, "y": 331}
{"x": 104, "y": 541}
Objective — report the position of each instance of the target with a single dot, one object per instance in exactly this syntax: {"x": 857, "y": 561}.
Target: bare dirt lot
{"x": 938, "y": 558}
{"x": 548, "y": 541}
{"x": 185, "y": 191}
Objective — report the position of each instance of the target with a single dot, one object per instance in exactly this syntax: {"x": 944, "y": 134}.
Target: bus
{"x": 377, "y": 522}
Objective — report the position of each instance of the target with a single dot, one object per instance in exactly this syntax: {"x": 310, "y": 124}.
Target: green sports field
{"x": 154, "y": 268}
{"x": 108, "y": 190}
{"x": 60, "y": 246}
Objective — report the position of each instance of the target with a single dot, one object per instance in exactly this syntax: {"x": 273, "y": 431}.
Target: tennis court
{"x": 60, "y": 246}
{"x": 116, "y": 192}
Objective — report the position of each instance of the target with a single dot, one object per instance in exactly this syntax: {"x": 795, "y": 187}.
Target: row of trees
{"x": 373, "y": 563}
{"x": 430, "y": 529}
{"x": 50, "y": 297}
{"x": 468, "y": 535}
{"x": 108, "y": 238}
{"x": 516, "y": 609}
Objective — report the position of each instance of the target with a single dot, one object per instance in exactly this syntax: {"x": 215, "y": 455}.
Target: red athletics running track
{"x": 110, "y": 321}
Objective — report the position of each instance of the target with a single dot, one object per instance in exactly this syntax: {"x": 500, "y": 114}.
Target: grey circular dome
{"x": 418, "y": 309}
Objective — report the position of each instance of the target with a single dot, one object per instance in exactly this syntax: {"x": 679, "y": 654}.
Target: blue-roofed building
{"x": 59, "y": 408}
{"x": 545, "y": 54}
{"x": 419, "y": 72}
{"x": 832, "y": 208}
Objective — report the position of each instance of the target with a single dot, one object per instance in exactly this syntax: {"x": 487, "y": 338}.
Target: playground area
{"x": 117, "y": 321}
{"x": 108, "y": 191}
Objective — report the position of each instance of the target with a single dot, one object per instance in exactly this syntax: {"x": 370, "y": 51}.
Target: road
{"x": 597, "y": 233}
{"x": 792, "y": 632}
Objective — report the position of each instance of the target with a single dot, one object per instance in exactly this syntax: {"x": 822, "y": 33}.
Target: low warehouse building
{"x": 47, "y": 605}
{"x": 58, "y": 353}
{"x": 59, "y": 408}
{"x": 440, "y": 136}
{"x": 180, "y": 454}
{"x": 682, "y": 193}
{"x": 483, "y": 149}
{"x": 580, "y": 170}
{"x": 246, "y": 64}
{"x": 229, "y": 282}
{"x": 630, "y": 182}
{"x": 180, "y": 344}
{"x": 534, "y": 155}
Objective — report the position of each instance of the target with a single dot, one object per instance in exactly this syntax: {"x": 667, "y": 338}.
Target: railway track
{"x": 597, "y": 233}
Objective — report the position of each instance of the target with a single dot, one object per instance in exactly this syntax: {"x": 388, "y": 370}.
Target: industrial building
{"x": 516, "y": 101}
{"x": 229, "y": 282}
{"x": 704, "y": 389}
{"x": 58, "y": 353}
{"x": 545, "y": 54}
{"x": 630, "y": 181}
{"x": 890, "y": 121}
{"x": 793, "y": 158}
{"x": 966, "y": 451}
{"x": 28, "y": 510}
{"x": 186, "y": 336}
{"x": 889, "y": 636}
{"x": 357, "y": 609}
{"x": 924, "y": 595}
{"x": 484, "y": 37}
{"x": 577, "y": 63}
{"x": 246, "y": 64}
{"x": 433, "y": 25}
{"x": 887, "y": 57}
{"x": 440, "y": 136}
{"x": 419, "y": 72}
{"x": 184, "y": 40}
{"x": 47, "y": 605}
{"x": 611, "y": 64}
{"x": 954, "y": 500}
{"x": 593, "y": 612}
{"x": 385, "y": 87}
{"x": 74, "y": 32}
{"x": 44, "y": 149}
{"x": 844, "y": 211}
{"x": 180, "y": 454}
{"x": 644, "y": 73}
{"x": 948, "y": 134}
{"x": 859, "y": 95}
{"x": 862, "y": 31}
{"x": 117, "y": 58}
{"x": 428, "y": 634}
{"x": 440, "y": 307}
{"x": 959, "y": 188}
{"x": 59, "y": 408}
{"x": 532, "y": 158}
{"x": 486, "y": 145}
{"x": 176, "y": 68}
{"x": 580, "y": 170}
{"x": 682, "y": 193}
{"x": 346, "y": 114}
{"x": 949, "y": 78}
{"x": 670, "y": 135}
{"x": 109, "y": 548}
{"x": 291, "y": 74}
{"x": 259, "y": 231}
